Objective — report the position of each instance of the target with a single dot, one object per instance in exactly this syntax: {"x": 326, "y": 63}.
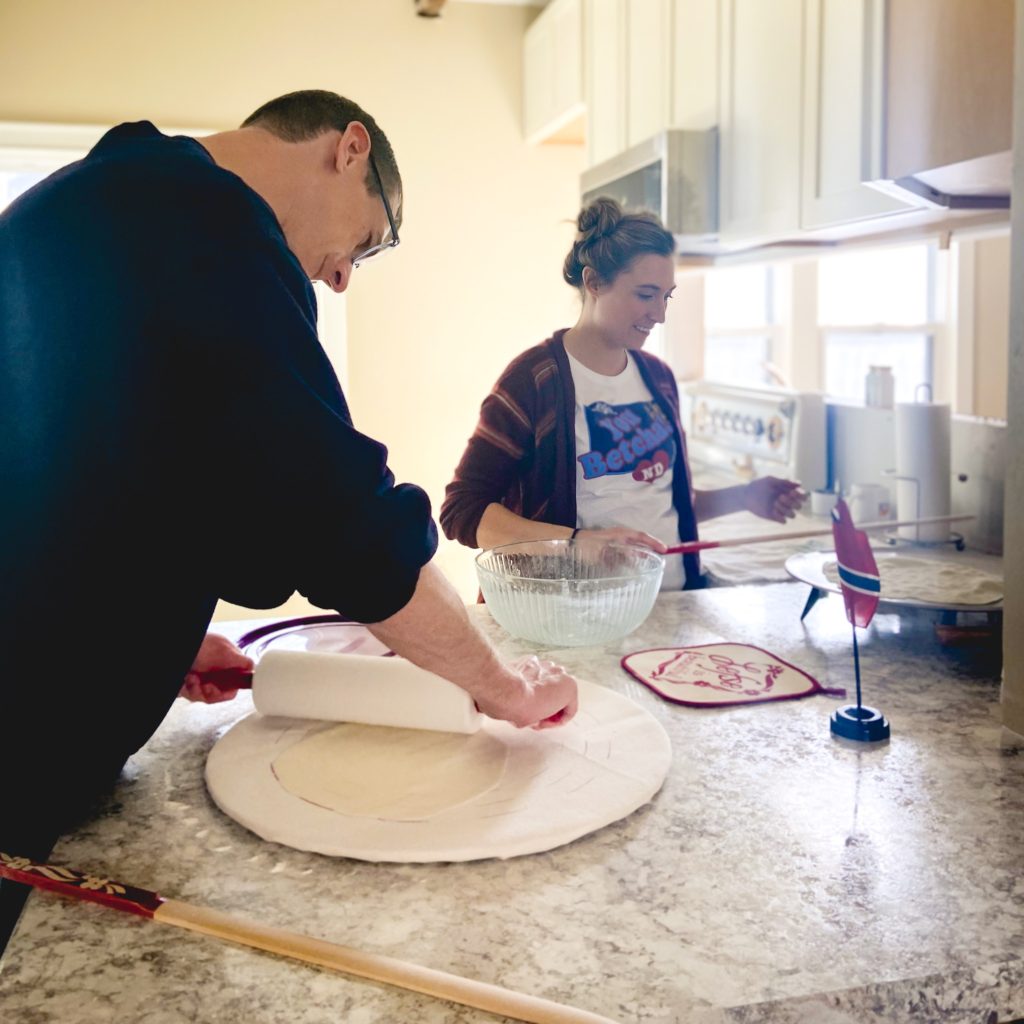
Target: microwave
{"x": 673, "y": 174}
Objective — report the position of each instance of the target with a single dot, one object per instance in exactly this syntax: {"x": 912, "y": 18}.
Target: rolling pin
{"x": 368, "y": 689}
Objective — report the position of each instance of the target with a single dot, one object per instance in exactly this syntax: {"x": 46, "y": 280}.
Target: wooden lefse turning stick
{"x": 146, "y": 903}
{"x": 690, "y": 546}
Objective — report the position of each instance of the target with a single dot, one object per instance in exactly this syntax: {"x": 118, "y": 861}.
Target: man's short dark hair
{"x": 299, "y": 116}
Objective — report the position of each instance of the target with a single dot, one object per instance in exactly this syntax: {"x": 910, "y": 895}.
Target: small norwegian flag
{"x": 858, "y": 573}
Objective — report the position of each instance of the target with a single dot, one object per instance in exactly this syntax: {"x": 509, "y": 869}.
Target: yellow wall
{"x": 487, "y": 219}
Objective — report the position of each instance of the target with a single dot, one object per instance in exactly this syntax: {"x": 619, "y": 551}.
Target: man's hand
{"x": 773, "y": 498}
{"x": 541, "y": 695}
{"x": 434, "y": 632}
{"x": 215, "y": 652}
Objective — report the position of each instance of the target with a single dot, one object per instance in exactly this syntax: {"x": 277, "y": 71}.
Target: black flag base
{"x": 854, "y": 722}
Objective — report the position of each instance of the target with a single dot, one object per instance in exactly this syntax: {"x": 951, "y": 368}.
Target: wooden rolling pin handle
{"x": 439, "y": 984}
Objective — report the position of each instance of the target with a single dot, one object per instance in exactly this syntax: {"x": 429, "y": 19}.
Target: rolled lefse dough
{"x": 941, "y": 583}
{"x": 391, "y": 774}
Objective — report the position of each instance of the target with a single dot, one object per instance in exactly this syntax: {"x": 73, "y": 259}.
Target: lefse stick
{"x": 146, "y": 903}
{"x": 692, "y": 546}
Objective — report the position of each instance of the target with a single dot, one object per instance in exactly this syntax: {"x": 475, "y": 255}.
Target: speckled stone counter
{"x": 779, "y": 877}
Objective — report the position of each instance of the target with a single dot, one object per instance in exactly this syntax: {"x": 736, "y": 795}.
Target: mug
{"x": 822, "y": 502}
{"x": 869, "y": 503}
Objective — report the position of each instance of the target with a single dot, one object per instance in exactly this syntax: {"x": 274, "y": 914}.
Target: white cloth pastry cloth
{"x": 360, "y": 688}
{"x": 554, "y": 786}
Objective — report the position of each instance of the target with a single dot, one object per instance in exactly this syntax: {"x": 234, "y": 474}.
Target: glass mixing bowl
{"x": 569, "y": 593}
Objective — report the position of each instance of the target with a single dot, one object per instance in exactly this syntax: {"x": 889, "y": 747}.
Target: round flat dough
{"x": 393, "y": 774}
{"x": 941, "y": 583}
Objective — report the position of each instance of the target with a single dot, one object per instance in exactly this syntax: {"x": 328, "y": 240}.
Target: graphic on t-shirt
{"x": 635, "y": 438}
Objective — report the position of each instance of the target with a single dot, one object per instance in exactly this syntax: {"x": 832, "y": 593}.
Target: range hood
{"x": 944, "y": 103}
{"x": 673, "y": 174}
{"x": 979, "y": 184}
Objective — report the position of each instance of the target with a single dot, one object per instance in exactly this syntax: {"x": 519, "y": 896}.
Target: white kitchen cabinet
{"x": 843, "y": 101}
{"x": 628, "y": 60}
{"x": 604, "y": 61}
{"x": 693, "y": 90}
{"x": 648, "y": 68}
{"x": 812, "y": 98}
{"x": 553, "y": 74}
{"x": 760, "y": 75}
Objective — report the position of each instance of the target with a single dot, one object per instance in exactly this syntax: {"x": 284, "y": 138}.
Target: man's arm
{"x": 434, "y": 631}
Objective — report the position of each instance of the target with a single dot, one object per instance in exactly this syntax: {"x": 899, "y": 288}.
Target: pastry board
{"x": 552, "y": 785}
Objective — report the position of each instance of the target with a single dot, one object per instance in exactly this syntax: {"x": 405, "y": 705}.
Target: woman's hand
{"x": 624, "y": 535}
{"x": 773, "y": 498}
{"x": 215, "y": 652}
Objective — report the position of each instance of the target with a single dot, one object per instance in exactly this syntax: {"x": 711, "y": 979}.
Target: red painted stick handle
{"x": 227, "y": 678}
{"x": 143, "y": 902}
{"x": 692, "y": 546}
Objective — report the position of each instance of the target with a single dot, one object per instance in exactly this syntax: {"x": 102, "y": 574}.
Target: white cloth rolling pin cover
{"x": 360, "y": 688}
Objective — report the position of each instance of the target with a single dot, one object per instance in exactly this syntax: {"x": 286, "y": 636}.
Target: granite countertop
{"x": 779, "y": 876}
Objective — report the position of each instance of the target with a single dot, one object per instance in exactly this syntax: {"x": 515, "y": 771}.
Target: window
{"x": 738, "y": 325}
{"x": 877, "y": 308}
{"x": 13, "y": 183}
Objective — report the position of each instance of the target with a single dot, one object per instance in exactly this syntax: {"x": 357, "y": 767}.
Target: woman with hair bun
{"x": 581, "y": 433}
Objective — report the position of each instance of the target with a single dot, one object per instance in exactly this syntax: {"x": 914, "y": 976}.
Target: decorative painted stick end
{"x": 94, "y": 888}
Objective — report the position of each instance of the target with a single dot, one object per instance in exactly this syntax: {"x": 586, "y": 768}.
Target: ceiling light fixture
{"x": 429, "y": 8}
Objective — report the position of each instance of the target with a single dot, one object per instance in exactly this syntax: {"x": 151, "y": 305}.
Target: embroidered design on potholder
{"x": 717, "y": 675}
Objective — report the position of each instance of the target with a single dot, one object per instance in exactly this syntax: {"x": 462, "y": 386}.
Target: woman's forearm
{"x": 720, "y": 502}
{"x": 500, "y": 526}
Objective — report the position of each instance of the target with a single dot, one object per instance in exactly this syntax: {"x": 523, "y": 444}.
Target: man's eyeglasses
{"x": 391, "y": 239}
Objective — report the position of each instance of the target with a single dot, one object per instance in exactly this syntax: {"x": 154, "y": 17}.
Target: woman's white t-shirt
{"x": 625, "y": 451}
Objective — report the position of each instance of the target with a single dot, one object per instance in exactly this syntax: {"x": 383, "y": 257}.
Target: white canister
{"x": 869, "y": 503}
{"x": 879, "y": 387}
{"x": 822, "y": 502}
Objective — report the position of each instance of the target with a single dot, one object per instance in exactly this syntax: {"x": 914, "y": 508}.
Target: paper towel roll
{"x": 922, "y": 467}
{"x": 360, "y": 688}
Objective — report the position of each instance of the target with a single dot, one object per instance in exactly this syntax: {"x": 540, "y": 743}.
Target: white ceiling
{"x": 515, "y": 3}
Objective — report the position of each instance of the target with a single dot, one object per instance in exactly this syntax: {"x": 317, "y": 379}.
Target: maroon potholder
{"x": 717, "y": 675}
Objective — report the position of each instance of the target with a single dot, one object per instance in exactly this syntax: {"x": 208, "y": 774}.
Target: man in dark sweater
{"x": 172, "y": 433}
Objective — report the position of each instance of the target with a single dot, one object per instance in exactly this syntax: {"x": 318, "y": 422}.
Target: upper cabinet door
{"x": 694, "y": 65}
{"x": 843, "y": 85}
{"x": 761, "y": 55}
{"x": 627, "y": 58}
{"x": 604, "y": 75}
{"x": 553, "y": 74}
{"x": 648, "y": 61}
